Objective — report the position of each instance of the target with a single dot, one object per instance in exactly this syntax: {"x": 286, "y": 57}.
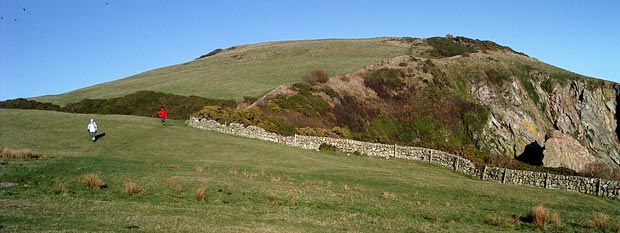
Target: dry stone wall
{"x": 594, "y": 186}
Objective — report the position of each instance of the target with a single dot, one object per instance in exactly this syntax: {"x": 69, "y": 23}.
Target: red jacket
{"x": 163, "y": 113}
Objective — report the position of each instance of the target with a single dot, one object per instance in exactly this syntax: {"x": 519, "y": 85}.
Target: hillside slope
{"x": 459, "y": 95}
{"x": 250, "y": 185}
{"x": 247, "y": 70}
{"x": 455, "y": 94}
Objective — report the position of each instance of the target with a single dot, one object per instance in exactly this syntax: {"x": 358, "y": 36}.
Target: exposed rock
{"x": 562, "y": 150}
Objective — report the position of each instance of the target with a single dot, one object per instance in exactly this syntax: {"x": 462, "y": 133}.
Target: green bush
{"x": 28, "y": 104}
{"x": 445, "y": 47}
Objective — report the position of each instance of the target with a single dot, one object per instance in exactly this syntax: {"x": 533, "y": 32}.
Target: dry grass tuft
{"x": 272, "y": 198}
{"x": 198, "y": 169}
{"x": 388, "y": 195}
{"x": 92, "y": 180}
{"x": 8, "y": 153}
{"x": 178, "y": 190}
{"x": 600, "y": 221}
{"x": 132, "y": 188}
{"x": 555, "y": 219}
{"x": 232, "y": 171}
{"x": 539, "y": 216}
{"x": 345, "y": 187}
{"x": 275, "y": 179}
{"x": 173, "y": 166}
{"x": 200, "y": 194}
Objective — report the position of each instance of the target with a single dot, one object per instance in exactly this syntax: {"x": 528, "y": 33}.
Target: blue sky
{"x": 51, "y": 47}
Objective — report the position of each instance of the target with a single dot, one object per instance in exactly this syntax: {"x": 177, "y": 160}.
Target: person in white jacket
{"x": 92, "y": 129}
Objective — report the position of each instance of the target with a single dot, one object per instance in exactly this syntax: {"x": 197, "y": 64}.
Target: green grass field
{"x": 250, "y": 185}
{"x": 248, "y": 70}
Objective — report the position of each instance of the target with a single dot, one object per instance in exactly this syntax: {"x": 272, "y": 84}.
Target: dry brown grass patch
{"x": 600, "y": 221}
{"x": 200, "y": 194}
{"x": 390, "y": 196}
{"x": 132, "y": 188}
{"x": 178, "y": 189}
{"x": 272, "y": 198}
{"x": 198, "y": 169}
{"x": 173, "y": 166}
{"x": 345, "y": 187}
{"x": 92, "y": 180}
{"x": 9, "y": 153}
{"x": 275, "y": 179}
{"x": 539, "y": 216}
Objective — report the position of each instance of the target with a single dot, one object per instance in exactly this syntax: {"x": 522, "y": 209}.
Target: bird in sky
{"x": 24, "y": 9}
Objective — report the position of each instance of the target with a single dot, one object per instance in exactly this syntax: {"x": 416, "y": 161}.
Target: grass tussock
{"x": 389, "y": 196}
{"x": 173, "y": 166}
{"x": 200, "y": 194}
{"x": 541, "y": 216}
{"x": 93, "y": 181}
{"x": 600, "y": 221}
{"x": 198, "y": 169}
{"x": 9, "y": 153}
{"x": 131, "y": 188}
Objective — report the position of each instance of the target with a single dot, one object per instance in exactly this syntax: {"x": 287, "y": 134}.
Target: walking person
{"x": 163, "y": 114}
{"x": 92, "y": 129}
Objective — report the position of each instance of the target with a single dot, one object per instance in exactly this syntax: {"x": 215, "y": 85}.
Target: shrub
{"x": 316, "y": 76}
{"x": 215, "y": 51}
{"x": 93, "y": 181}
{"x": 329, "y": 91}
{"x": 132, "y": 188}
{"x": 249, "y": 99}
{"x": 387, "y": 83}
{"x": 601, "y": 170}
{"x": 200, "y": 194}
{"x": 447, "y": 47}
{"x": 28, "y": 104}
{"x": 327, "y": 147}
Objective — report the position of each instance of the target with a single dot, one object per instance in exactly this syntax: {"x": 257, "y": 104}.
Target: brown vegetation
{"x": 9, "y": 153}
{"x": 132, "y": 188}
{"x": 200, "y": 194}
{"x": 601, "y": 170}
{"x": 92, "y": 180}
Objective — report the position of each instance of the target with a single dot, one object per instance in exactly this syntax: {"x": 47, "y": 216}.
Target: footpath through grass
{"x": 249, "y": 185}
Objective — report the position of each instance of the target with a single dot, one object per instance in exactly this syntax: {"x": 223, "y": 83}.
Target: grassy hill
{"x": 249, "y": 185}
{"x": 248, "y": 70}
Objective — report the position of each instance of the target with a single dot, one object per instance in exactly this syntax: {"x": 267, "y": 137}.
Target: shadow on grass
{"x": 98, "y": 136}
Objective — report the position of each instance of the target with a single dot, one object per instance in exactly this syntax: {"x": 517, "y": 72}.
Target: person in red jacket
{"x": 163, "y": 115}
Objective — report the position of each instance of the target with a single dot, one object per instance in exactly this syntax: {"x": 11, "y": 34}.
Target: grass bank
{"x": 248, "y": 185}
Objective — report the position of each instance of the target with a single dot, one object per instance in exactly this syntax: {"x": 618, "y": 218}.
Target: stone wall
{"x": 594, "y": 186}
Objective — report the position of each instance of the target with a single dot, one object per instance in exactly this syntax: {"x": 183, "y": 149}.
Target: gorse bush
{"x": 141, "y": 103}
{"x": 446, "y": 47}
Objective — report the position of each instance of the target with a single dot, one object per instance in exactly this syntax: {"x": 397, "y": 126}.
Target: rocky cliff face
{"x": 575, "y": 123}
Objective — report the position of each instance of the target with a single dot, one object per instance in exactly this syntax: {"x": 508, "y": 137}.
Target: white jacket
{"x": 92, "y": 127}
